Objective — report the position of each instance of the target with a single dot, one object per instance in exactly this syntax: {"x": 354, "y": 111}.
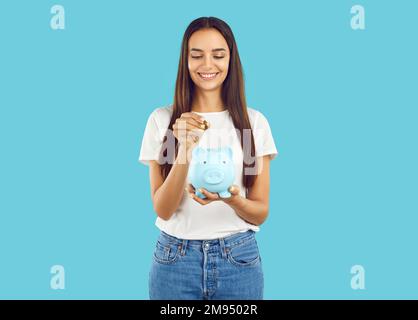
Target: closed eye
{"x": 199, "y": 57}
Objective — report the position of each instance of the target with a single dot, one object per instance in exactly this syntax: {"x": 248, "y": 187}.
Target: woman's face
{"x": 208, "y": 59}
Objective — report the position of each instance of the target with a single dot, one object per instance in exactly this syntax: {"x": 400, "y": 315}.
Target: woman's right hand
{"x": 188, "y": 129}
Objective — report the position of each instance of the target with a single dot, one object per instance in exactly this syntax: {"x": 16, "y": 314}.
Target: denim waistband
{"x": 229, "y": 241}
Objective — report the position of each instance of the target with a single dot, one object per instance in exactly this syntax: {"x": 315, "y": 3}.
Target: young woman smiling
{"x": 207, "y": 247}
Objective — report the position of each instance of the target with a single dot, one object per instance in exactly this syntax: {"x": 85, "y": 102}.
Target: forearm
{"x": 168, "y": 196}
{"x": 253, "y": 211}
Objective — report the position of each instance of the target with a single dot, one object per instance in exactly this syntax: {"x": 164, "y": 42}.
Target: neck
{"x": 207, "y": 101}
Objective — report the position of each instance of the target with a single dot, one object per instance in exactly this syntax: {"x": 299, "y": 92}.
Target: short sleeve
{"x": 264, "y": 141}
{"x": 151, "y": 140}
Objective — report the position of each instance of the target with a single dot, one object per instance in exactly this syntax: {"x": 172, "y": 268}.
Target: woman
{"x": 207, "y": 248}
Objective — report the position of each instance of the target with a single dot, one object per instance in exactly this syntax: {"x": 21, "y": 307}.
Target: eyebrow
{"x": 213, "y": 50}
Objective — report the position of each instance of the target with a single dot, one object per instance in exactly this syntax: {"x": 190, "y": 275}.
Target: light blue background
{"x": 341, "y": 104}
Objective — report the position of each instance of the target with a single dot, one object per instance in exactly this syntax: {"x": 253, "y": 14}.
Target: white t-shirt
{"x": 216, "y": 219}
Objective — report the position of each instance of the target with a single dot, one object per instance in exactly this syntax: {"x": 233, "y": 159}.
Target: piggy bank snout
{"x": 213, "y": 176}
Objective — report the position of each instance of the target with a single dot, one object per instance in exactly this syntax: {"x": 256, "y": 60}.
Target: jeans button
{"x": 206, "y": 246}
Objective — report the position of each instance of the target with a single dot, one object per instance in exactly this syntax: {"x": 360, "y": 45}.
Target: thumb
{"x": 234, "y": 190}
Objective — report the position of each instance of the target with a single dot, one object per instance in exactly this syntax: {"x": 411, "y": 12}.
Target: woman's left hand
{"x": 210, "y": 196}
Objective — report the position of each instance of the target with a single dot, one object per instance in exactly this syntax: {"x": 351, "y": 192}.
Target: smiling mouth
{"x": 208, "y": 76}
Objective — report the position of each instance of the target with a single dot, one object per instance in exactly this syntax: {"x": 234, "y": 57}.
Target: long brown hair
{"x": 232, "y": 93}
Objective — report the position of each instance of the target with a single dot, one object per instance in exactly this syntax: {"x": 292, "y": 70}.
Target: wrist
{"x": 183, "y": 154}
{"x": 236, "y": 201}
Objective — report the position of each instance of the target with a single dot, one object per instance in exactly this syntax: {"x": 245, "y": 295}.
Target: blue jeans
{"x": 219, "y": 269}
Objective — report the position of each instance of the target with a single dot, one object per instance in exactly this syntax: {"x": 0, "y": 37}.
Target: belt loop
{"x": 222, "y": 245}
{"x": 183, "y": 247}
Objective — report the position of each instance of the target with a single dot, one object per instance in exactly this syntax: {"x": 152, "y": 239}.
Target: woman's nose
{"x": 208, "y": 61}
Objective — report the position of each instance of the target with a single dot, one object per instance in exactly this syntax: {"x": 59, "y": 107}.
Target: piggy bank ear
{"x": 228, "y": 151}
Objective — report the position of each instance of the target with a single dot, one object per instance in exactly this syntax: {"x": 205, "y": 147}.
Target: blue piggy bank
{"x": 213, "y": 170}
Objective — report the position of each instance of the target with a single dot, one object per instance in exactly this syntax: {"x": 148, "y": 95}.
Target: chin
{"x": 209, "y": 88}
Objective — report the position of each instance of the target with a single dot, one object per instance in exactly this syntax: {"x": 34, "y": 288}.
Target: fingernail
{"x": 201, "y": 190}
